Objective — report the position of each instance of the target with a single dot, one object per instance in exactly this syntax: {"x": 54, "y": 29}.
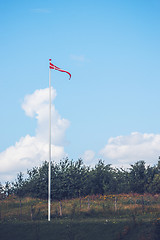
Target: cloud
{"x": 31, "y": 151}
{"x": 36, "y": 105}
{"x": 33, "y": 103}
{"x": 125, "y": 150}
{"x": 78, "y": 58}
{"x": 88, "y": 157}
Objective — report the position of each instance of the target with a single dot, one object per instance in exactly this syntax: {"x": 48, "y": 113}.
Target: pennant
{"x": 51, "y": 66}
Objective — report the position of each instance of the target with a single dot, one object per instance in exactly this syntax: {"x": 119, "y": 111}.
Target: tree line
{"x": 72, "y": 179}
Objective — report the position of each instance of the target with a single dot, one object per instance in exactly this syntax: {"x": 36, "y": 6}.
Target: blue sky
{"x": 110, "y": 108}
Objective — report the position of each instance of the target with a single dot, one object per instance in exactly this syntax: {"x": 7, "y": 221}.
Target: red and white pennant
{"x": 52, "y": 66}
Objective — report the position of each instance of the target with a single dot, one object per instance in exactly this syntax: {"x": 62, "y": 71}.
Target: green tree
{"x": 19, "y": 186}
{"x": 8, "y": 189}
{"x": 137, "y": 177}
{"x": 122, "y": 181}
{"x": 155, "y": 185}
{"x": 101, "y": 179}
{"x": 68, "y": 179}
{"x": 37, "y": 182}
{"x": 1, "y": 191}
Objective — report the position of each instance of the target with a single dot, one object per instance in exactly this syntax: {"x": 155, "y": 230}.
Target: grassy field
{"x": 115, "y": 217}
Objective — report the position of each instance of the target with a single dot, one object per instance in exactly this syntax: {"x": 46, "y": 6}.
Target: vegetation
{"x": 73, "y": 179}
{"x": 112, "y": 217}
{"x": 87, "y": 203}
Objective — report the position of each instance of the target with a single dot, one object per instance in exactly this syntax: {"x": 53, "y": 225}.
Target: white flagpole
{"x": 49, "y": 164}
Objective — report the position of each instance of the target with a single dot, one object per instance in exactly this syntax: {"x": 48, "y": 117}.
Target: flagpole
{"x": 49, "y": 164}
{"x": 51, "y": 66}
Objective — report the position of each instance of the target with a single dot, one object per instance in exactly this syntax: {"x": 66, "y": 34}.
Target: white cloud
{"x": 31, "y": 151}
{"x": 78, "y": 58}
{"x": 125, "y": 150}
{"x": 88, "y": 157}
{"x": 36, "y": 104}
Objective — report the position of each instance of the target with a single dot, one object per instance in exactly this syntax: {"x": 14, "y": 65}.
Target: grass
{"x": 111, "y": 217}
{"x": 77, "y": 230}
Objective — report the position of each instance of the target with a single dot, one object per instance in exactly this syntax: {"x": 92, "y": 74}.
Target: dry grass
{"x": 114, "y": 205}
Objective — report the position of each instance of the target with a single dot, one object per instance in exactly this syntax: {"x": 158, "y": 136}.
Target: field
{"x": 125, "y": 216}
